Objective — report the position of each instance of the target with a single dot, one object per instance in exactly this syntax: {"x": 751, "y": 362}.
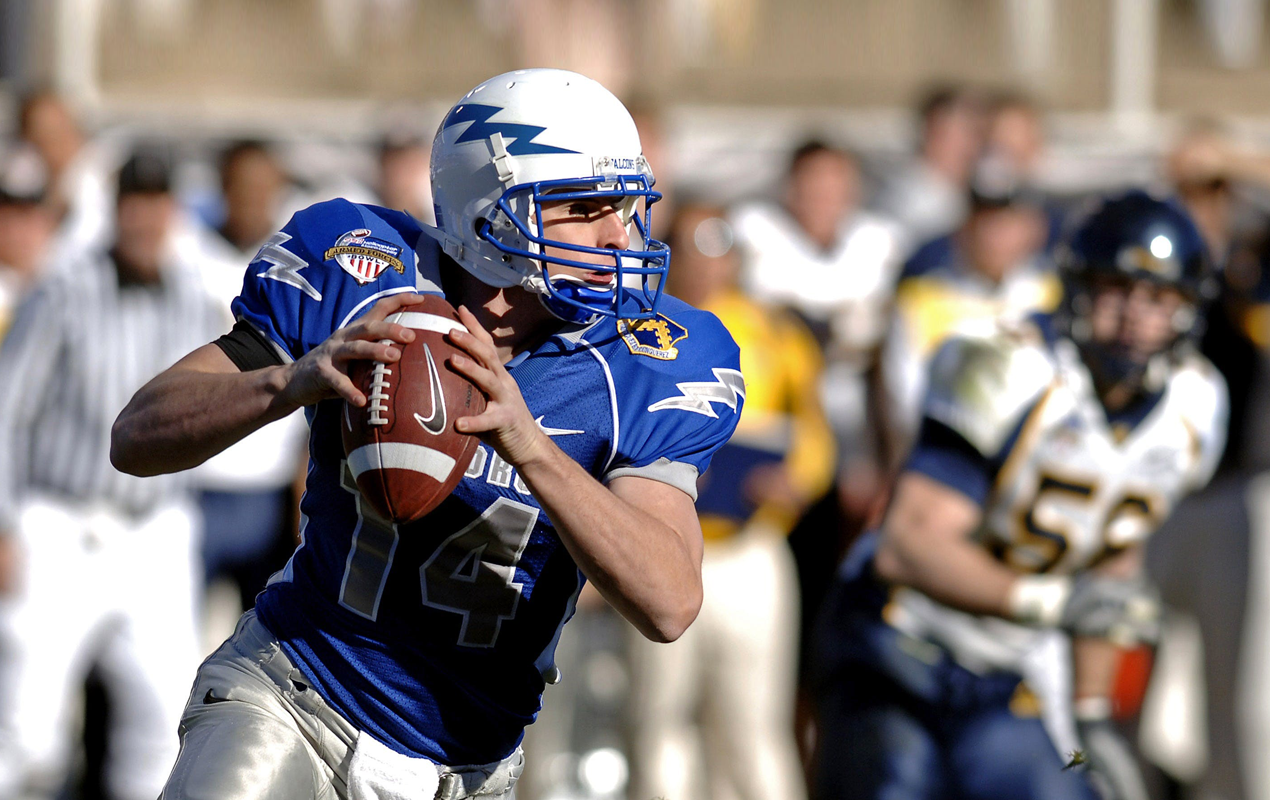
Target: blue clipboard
{"x": 721, "y": 490}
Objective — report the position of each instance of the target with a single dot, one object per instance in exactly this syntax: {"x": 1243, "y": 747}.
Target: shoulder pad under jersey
{"x": 327, "y": 266}
{"x": 981, "y": 386}
{"x": 678, "y": 385}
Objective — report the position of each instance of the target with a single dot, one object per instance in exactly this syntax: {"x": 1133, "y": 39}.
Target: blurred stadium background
{"x": 931, "y": 111}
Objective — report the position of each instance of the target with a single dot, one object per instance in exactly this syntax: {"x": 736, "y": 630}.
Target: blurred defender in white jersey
{"x": 1006, "y": 570}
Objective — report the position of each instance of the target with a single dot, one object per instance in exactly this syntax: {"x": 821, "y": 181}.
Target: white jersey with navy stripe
{"x": 1073, "y": 485}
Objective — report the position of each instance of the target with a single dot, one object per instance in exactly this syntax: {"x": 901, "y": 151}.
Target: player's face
{"x": 1134, "y": 317}
{"x": 590, "y": 222}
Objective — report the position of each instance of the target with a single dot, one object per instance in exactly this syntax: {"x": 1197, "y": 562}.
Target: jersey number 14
{"x": 472, "y": 573}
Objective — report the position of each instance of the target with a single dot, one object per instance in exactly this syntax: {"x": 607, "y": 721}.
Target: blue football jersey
{"x": 436, "y": 637}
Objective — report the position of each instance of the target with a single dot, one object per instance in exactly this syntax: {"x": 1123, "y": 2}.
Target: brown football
{"x": 402, "y": 447}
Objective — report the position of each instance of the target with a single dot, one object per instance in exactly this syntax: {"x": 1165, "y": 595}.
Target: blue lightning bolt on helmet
{"x": 533, "y": 136}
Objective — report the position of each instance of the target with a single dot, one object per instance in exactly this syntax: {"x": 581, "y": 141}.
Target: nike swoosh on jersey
{"x": 554, "y": 431}
{"x": 434, "y": 423}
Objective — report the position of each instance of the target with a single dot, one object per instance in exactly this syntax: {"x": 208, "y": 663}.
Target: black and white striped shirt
{"x": 80, "y": 346}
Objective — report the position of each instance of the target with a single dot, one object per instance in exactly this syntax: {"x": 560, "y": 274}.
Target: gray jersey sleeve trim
{"x": 675, "y": 473}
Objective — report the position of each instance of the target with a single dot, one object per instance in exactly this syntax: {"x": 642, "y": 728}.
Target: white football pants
{"x": 98, "y": 588}
{"x": 713, "y": 712}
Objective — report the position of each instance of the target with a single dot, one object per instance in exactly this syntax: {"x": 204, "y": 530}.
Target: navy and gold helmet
{"x": 1141, "y": 237}
{"x": 1134, "y": 237}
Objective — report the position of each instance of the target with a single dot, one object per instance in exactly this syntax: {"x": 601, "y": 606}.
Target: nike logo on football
{"x": 434, "y": 423}
{"x": 554, "y": 431}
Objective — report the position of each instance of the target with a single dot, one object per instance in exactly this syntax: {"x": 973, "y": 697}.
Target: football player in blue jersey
{"x": 969, "y": 646}
{"x": 405, "y": 660}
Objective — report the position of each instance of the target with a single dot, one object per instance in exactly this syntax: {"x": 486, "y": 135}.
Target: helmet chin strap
{"x": 574, "y": 300}
{"x": 586, "y": 299}
{"x": 564, "y": 288}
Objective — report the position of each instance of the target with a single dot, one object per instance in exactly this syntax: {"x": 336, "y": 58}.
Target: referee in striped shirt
{"x": 106, "y": 571}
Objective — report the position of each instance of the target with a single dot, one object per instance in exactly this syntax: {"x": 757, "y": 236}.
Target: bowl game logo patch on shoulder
{"x": 365, "y": 257}
{"x": 654, "y": 338}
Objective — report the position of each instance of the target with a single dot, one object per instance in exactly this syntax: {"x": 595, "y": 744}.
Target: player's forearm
{"x": 1094, "y": 662}
{"x": 183, "y": 417}
{"x": 958, "y": 574}
{"x": 637, "y": 562}
{"x": 926, "y": 544}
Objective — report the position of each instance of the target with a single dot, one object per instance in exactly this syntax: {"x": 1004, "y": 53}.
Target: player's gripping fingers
{"x": 481, "y": 376}
{"x": 362, "y": 350}
{"x": 475, "y": 350}
{"x": 477, "y": 424}
{"x": 378, "y": 329}
{"x": 500, "y": 419}
{"x": 474, "y": 328}
{"x": 392, "y": 304}
{"x": 477, "y": 344}
{"x": 341, "y": 384}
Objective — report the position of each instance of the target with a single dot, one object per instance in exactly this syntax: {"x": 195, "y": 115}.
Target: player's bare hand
{"x": 10, "y": 564}
{"x": 771, "y": 484}
{"x": 505, "y": 424}
{"x": 323, "y": 372}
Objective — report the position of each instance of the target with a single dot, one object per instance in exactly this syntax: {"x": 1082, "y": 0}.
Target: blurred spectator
{"x": 247, "y": 490}
{"x": 26, "y": 226}
{"x": 404, "y": 180}
{"x": 834, "y": 265}
{"x": 1014, "y": 144}
{"x": 726, "y": 687}
{"x": 1204, "y": 556}
{"x": 78, "y": 178}
{"x": 651, "y": 125}
{"x": 928, "y": 194}
{"x": 107, "y": 561}
{"x": 1015, "y": 133}
{"x": 252, "y": 185}
{"x": 1218, "y": 183}
{"x": 995, "y": 271}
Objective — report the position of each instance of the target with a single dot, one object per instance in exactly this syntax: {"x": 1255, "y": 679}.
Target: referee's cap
{"x": 23, "y": 177}
{"x": 147, "y": 171}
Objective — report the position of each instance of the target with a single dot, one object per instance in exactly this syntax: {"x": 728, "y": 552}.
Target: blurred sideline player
{"x": 106, "y": 561}
{"x": 719, "y": 703}
{"x": 835, "y": 265}
{"x": 78, "y": 194}
{"x": 26, "y": 227}
{"x": 927, "y": 194}
{"x": 995, "y": 270}
{"x": 404, "y": 163}
{"x": 406, "y": 660}
{"x": 1045, "y": 459}
{"x": 247, "y": 491}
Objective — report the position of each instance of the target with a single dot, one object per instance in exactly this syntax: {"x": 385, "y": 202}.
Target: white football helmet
{"x": 538, "y": 135}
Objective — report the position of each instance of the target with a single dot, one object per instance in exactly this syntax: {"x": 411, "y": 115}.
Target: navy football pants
{"x": 878, "y": 744}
